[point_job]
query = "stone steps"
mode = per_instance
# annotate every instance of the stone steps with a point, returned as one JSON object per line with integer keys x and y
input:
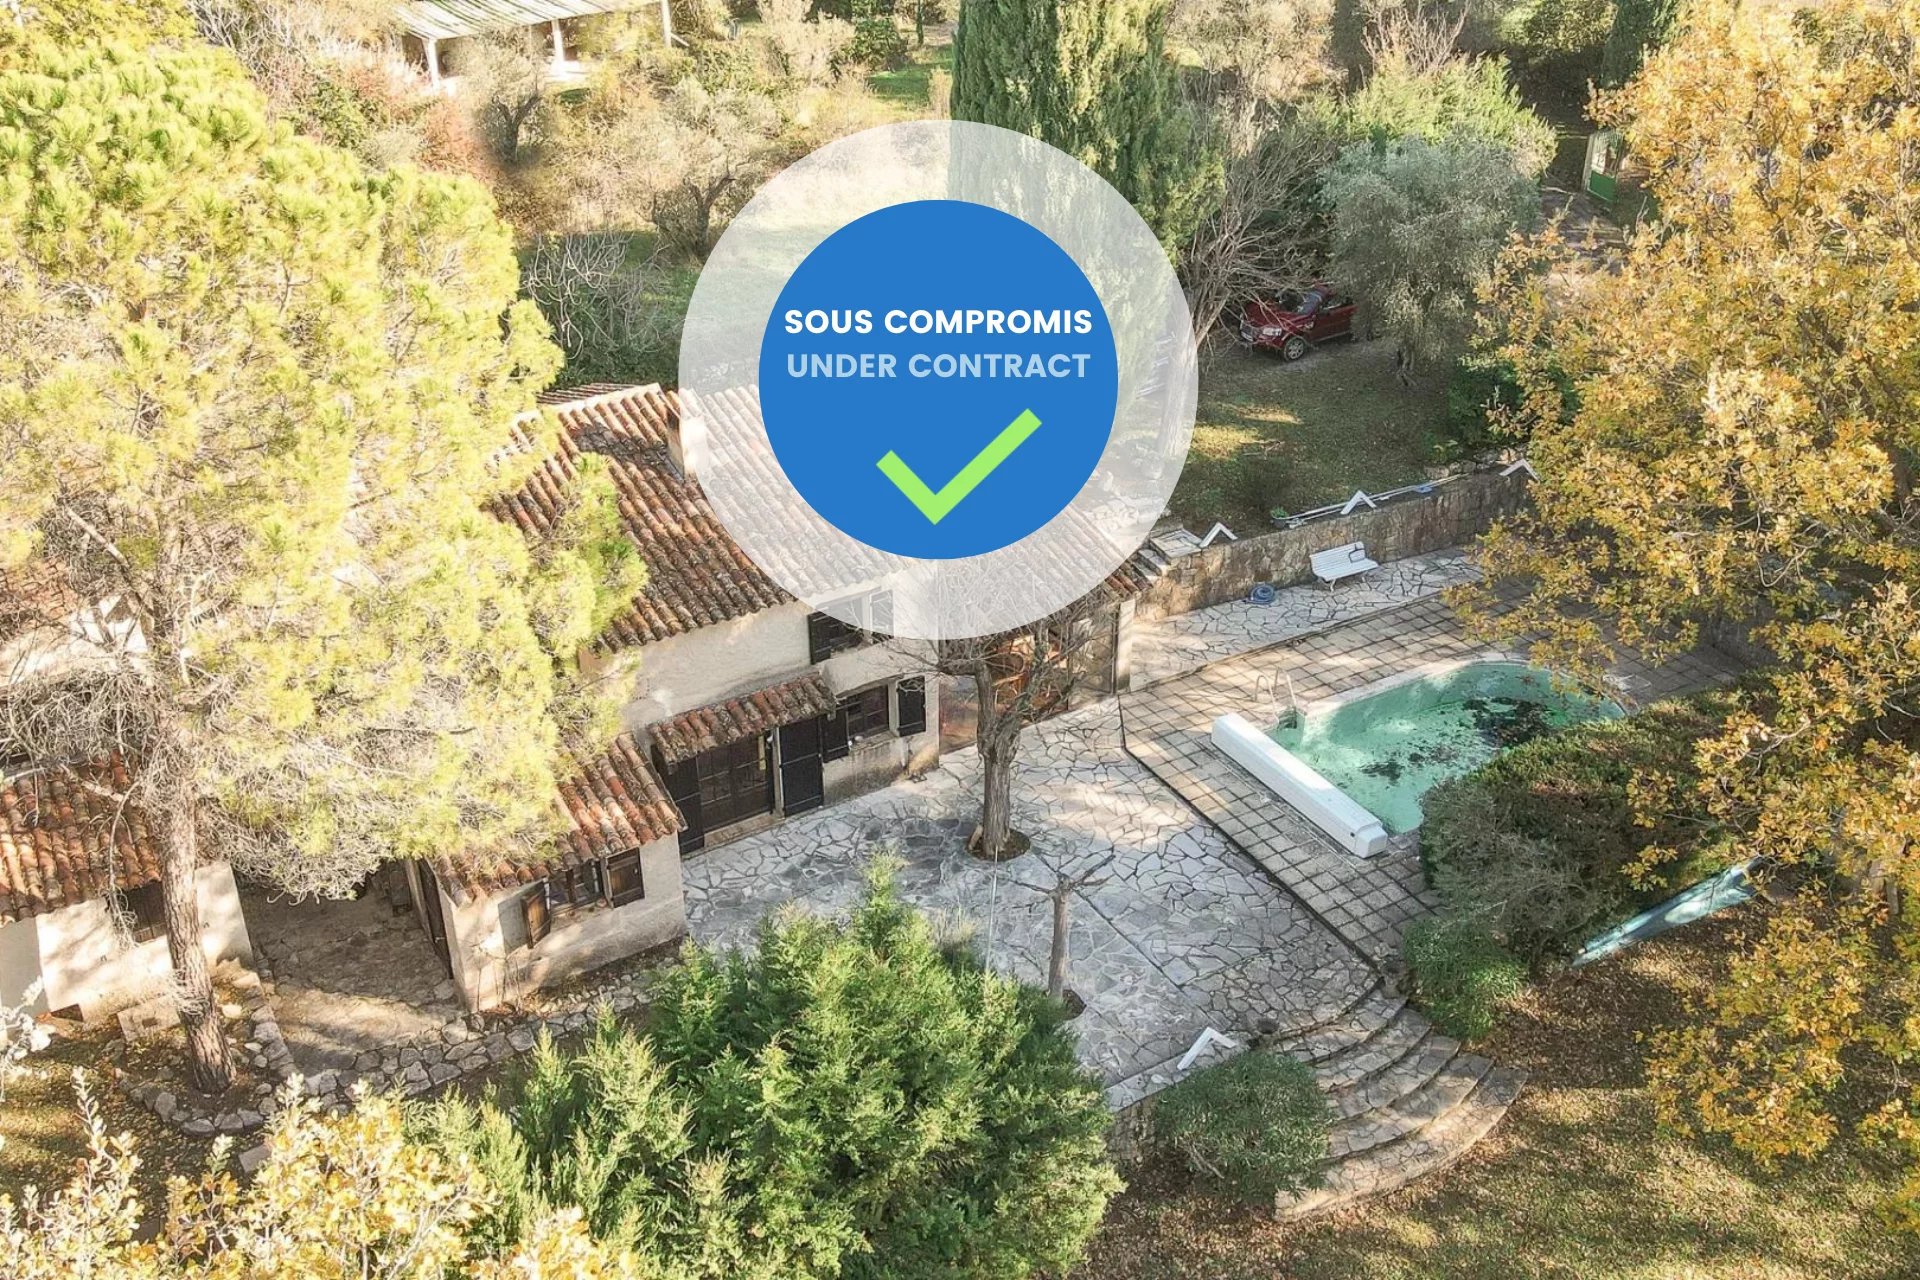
{"x": 1407, "y": 1100}
{"x": 1363, "y": 1020}
{"x": 1427, "y": 1149}
{"x": 1401, "y": 1037}
{"x": 1406, "y": 1115}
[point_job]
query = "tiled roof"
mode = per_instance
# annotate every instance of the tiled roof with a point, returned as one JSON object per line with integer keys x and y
{"x": 32, "y": 596}
{"x": 612, "y": 802}
{"x": 62, "y": 842}
{"x": 704, "y": 728}
{"x": 696, "y": 575}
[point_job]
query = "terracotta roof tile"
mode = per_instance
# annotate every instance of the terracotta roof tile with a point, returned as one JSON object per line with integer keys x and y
{"x": 697, "y": 575}
{"x": 32, "y": 596}
{"x": 63, "y": 842}
{"x": 611, "y": 803}
{"x": 704, "y": 728}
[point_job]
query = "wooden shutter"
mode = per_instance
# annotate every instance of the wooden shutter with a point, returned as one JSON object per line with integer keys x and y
{"x": 823, "y": 634}
{"x": 533, "y": 909}
{"x": 801, "y": 786}
{"x": 910, "y": 712}
{"x": 683, "y": 784}
{"x": 624, "y": 881}
{"x": 833, "y": 735}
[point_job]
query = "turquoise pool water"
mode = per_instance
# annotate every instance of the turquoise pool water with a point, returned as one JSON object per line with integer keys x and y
{"x": 1387, "y": 749}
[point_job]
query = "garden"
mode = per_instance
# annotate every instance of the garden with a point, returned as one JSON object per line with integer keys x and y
{"x": 270, "y": 320}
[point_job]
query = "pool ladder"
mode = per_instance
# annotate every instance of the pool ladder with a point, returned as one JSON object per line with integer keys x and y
{"x": 1269, "y": 686}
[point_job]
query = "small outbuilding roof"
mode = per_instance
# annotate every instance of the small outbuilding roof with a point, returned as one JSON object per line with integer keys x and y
{"x": 447, "y": 19}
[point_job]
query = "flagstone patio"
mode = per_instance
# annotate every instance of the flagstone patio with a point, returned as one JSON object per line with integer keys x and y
{"x": 1185, "y": 933}
{"x": 1222, "y": 907}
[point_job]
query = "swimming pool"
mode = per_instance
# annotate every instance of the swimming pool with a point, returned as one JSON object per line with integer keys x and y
{"x": 1387, "y": 744}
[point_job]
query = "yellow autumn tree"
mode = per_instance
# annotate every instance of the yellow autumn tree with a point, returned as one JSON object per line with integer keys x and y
{"x": 344, "y": 1197}
{"x": 1726, "y": 432}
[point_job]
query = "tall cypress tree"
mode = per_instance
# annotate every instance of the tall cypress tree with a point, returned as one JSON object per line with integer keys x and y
{"x": 1090, "y": 77}
{"x": 1639, "y": 26}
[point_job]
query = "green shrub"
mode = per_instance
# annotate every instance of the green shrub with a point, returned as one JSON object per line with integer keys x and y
{"x": 842, "y": 1101}
{"x": 1256, "y": 1125}
{"x": 1479, "y": 386}
{"x": 877, "y": 45}
{"x": 1461, "y": 975}
{"x": 1537, "y": 843}
{"x": 1462, "y": 101}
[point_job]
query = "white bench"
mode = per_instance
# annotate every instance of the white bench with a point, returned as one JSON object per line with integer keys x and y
{"x": 1347, "y": 561}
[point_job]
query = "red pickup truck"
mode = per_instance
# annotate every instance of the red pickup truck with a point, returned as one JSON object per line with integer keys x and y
{"x": 1297, "y": 320}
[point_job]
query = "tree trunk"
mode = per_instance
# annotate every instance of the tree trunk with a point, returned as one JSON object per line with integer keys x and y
{"x": 209, "y": 1068}
{"x": 1057, "y": 961}
{"x": 999, "y": 740}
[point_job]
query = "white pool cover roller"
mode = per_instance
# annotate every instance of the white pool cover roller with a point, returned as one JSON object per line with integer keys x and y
{"x": 1290, "y": 778}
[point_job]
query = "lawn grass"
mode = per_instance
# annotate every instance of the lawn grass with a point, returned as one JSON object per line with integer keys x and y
{"x": 905, "y": 88}
{"x": 43, "y": 1139}
{"x": 1302, "y": 435}
{"x": 1578, "y": 1183}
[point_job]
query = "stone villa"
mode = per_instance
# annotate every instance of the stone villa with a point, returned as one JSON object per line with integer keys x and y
{"x": 741, "y": 706}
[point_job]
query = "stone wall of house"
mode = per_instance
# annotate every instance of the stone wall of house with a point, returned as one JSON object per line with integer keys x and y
{"x": 79, "y": 955}
{"x": 1453, "y": 514}
{"x": 487, "y": 937}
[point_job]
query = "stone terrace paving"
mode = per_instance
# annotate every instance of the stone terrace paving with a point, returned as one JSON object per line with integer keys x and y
{"x": 1186, "y": 933}
{"x": 1192, "y": 927}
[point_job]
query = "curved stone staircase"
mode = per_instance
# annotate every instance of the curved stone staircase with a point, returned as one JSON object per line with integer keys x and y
{"x": 1408, "y": 1101}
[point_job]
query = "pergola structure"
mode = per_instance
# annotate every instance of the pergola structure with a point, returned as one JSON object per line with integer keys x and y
{"x": 432, "y": 21}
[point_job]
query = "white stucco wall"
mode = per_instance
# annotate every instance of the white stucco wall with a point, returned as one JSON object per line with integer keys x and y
{"x": 492, "y": 965}
{"x": 88, "y": 637}
{"x": 712, "y": 664}
{"x": 79, "y": 953}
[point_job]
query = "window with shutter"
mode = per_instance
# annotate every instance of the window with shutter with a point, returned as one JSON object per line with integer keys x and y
{"x": 868, "y": 713}
{"x": 533, "y": 910}
{"x": 144, "y": 909}
{"x": 827, "y": 635}
{"x": 911, "y": 696}
{"x": 624, "y": 881}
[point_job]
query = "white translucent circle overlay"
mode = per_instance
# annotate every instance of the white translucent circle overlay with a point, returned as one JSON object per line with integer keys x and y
{"x": 726, "y": 442}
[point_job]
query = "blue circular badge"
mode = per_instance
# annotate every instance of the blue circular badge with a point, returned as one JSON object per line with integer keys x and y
{"x": 938, "y": 379}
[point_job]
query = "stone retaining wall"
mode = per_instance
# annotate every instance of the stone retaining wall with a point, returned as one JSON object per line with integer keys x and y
{"x": 1453, "y": 514}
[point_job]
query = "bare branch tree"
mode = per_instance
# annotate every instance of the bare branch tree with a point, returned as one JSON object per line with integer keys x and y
{"x": 1061, "y": 898}
{"x": 1259, "y": 240}
{"x": 1019, "y": 677}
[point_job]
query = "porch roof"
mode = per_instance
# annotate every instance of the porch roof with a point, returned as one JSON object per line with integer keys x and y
{"x": 611, "y": 803}
{"x": 720, "y": 723}
{"x": 447, "y": 19}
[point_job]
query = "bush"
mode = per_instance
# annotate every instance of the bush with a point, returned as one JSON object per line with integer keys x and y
{"x": 1478, "y": 388}
{"x": 1543, "y": 844}
{"x": 1460, "y": 101}
{"x": 1256, "y": 1125}
{"x": 877, "y": 45}
{"x": 842, "y": 1101}
{"x": 1461, "y": 975}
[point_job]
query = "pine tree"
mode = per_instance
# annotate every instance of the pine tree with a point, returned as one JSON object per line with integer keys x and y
{"x": 1639, "y": 27}
{"x": 1090, "y": 77}
{"x": 252, "y": 398}
{"x": 838, "y": 1102}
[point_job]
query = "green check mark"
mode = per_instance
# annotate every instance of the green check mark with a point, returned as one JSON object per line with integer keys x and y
{"x": 936, "y": 506}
